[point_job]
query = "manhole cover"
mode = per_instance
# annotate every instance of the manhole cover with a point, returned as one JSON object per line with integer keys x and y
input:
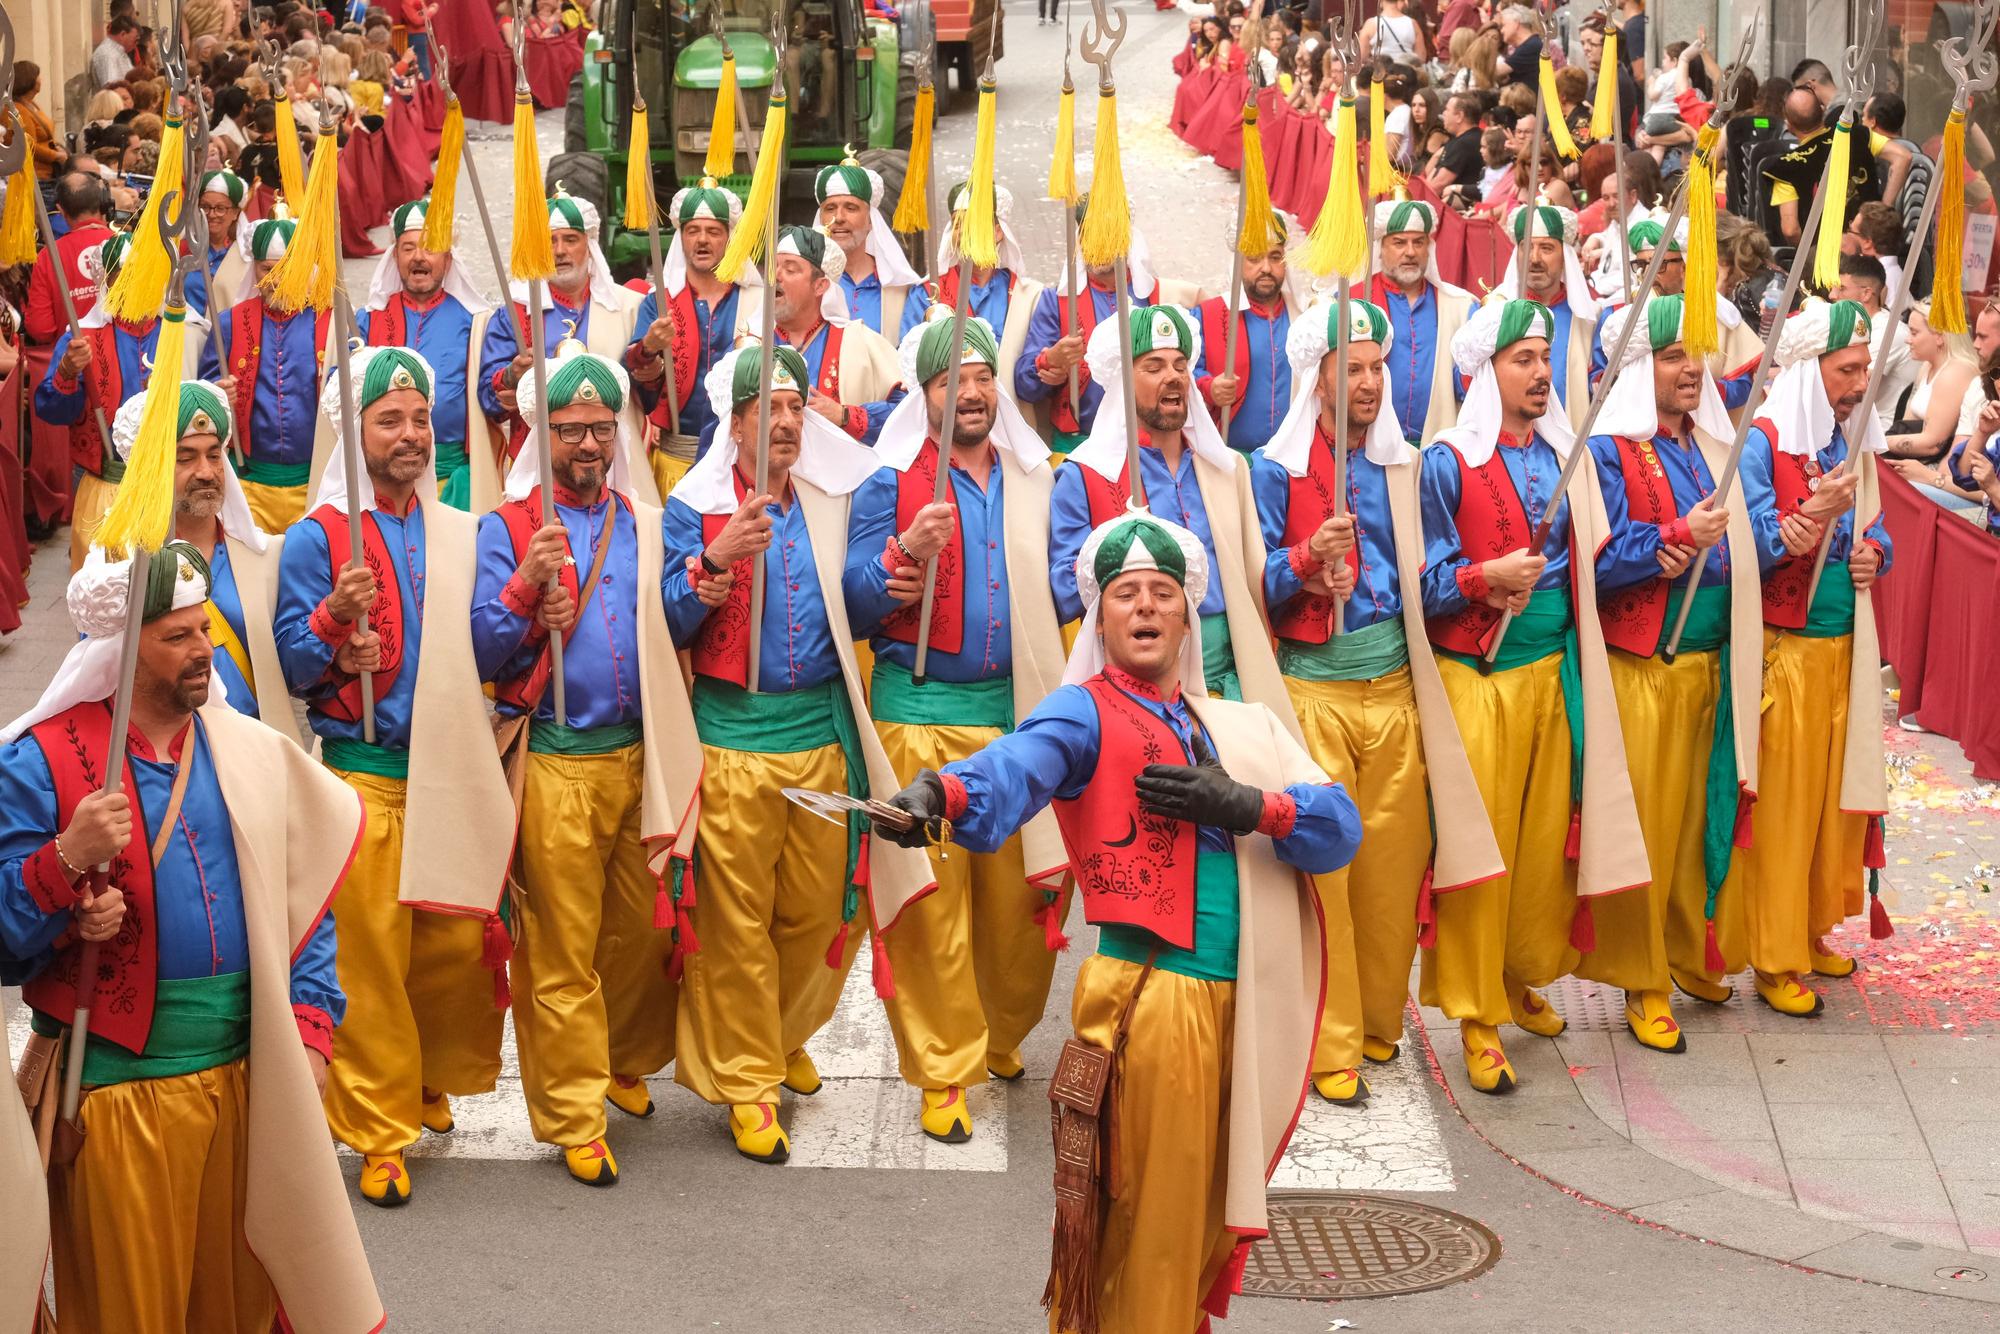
{"x": 1962, "y": 1274}
{"x": 1329, "y": 1245}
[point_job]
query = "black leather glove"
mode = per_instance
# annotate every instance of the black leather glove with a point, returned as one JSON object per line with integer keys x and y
{"x": 1200, "y": 793}
{"x": 923, "y": 801}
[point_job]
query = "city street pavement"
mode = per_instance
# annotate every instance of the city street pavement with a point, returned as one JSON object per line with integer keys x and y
{"x": 1781, "y": 1176}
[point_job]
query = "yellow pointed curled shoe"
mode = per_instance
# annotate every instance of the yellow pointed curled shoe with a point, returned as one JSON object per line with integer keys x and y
{"x": 801, "y": 1075}
{"x": 1345, "y": 1087}
{"x": 1486, "y": 1065}
{"x": 592, "y": 1163}
{"x": 1378, "y": 1051}
{"x": 385, "y": 1180}
{"x": 1652, "y": 1021}
{"x": 758, "y": 1134}
{"x": 945, "y": 1117}
{"x": 1005, "y": 1065}
{"x": 437, "y": 1116}
{"x": 630, "y": 1096}
{"x": 1829, "y": 965}
{"x": 1699, "y": 987}
{"x": 1784, "y": 993}
{"x": 1533, "y": 1012}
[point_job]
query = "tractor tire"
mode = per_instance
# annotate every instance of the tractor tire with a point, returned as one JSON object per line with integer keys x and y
{"x": 892, "y": 164}
{"x": 906, "y": 103}
{"x": 574, "y": 140}
{"x": 582, "y": 176}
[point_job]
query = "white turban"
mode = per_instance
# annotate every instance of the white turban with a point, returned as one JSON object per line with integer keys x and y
{"x": 1478, "y": 431}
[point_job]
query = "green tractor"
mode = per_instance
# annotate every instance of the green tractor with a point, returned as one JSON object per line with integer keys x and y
{"x": 849, "y": 78}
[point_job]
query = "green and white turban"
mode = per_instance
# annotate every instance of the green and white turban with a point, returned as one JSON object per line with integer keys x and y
{"x": 1645, "y": 236}
{"x": 227, "y": 184}
{"x": 1796, "y": 403}
{"x": 1131, "y": 542}
{"x": 829, "y": 458}
{"x": 1550, "y": 220}
{"x": 387, "y": 282}
{"x": 959, "y": 196}
{"x": 102, "y": 262}
{"x": 925, "y": 354}
{"x": 817, "y": 249}
{"x": 1405, "y": 215}
{"x": 849, "y": 177}
{"x": 706, "y": 200}
{"x": 204, "y": 411}
{"x": 1631, "y": 406}
{"x": 575, "y": 376}
{"x": 1500, "y": 323}
{"x": 1154, "y": 328}
{"x": 266, "y": 240}
{"x": 1314, "y": 337}
{"x": 1557, "y": 224}
{"x": 568, "y": 213}
{"x": 377, "y": 371}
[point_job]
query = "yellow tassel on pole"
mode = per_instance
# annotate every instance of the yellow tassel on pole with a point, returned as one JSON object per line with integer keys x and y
{"x": 441, "y": 217}
{"x": 638, "y": 165}
{"x": 913, "y": 213}
{"x": 1260, "y": 234}
{"x": 141, "y": 284}
{"x": 530, "y": 257}
{"x": 17, "y": 222}
{"x": 1602, "y": 127}
{"x": 1383, "y": 178}
{"x": 1698, "y": 328}
{"x": 1062, "y": 165}
{"x": 1833, "y": 219}
{"x": 1337, "y": 243}
{"x": 979, "y": 238}
{"x": 1552, "y": 112}
{"x": 1107, "y": 221}
{"x": 746, "y": 241}
{"x": 1947, "y": 296}
{"x": 291, "y": 161}
{"x": 304, "y": 277}
{"x": 142, "y": 513}
{"x": 721, "y": 159}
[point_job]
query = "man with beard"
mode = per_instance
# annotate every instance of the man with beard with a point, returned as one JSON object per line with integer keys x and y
{"x": 1807, "y": 468}
{"x": 1791, "y": 179}
{"x": 876, "y": 281}
{"x": 1203, "y": 992}
{"x": 272, "y": 379}
{"x": 419, "y": 912}
{"x": 1556, "y": 282}
{"x": 1369, "y": 699}
{"x": 1689, "y": 722}
{"x": 1424, "y": 311}
{"x": 1259, "y": 385}
{"x": 1732, "y": 364}
{"x": 204, "y": 1194}
{"x": 222, "y": 197}
{"x": 707, "y": 318}
{"x": 1004, "y": 296}
{"x": 1060, "y": 328}
{"x": 423, "y": 299}
{"x": 608, "y": 788}
{"x": 583, "y": 303}
{"x": 766, "y": 945}
{"x": 975, "y": 958}
{"x": 1191, "y": 478}
{"x": 1541, "y": 729}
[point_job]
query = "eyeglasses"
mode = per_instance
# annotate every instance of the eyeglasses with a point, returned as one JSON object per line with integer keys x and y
{"x": 572, "y": 433}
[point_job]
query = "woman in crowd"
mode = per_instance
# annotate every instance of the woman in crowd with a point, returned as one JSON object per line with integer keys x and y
{"x": 1394, "y": 33}
{"x": 1427, "y": 132}
{"x": 41, "y": 130}
{"x": 1304, "y": 94}
{"x": 1947, "y": 369}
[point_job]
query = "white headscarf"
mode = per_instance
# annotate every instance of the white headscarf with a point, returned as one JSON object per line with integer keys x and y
{"x": 1576, "y": 287}
{"x": 1291, "y": 444}
{"x": 908, "y": 424}
{"x": 525, "y": 473}
{"x": 1011, "y": 258}
{"x": 333, "y": 484}
{"x": 1796, "y": 403}
{"x": 1086, "y": 656}
{"x": 674, "y": 265}
{"x": 1104, "y": 449}
{"x": 235, "y": 515}
{"x": 829, "y": 458}
{"x": 1385, "y": 213}
{"x": 1477, "y": 434}
{"x": 891, "y": 268}
{"x": 602, "y": 284}
{"x": 387, "y": 282}
{"x": 833, "y": 263}
{"x": 1631, "y": 406}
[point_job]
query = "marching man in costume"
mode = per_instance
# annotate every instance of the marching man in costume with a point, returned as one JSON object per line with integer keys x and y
{"x": 1369, "y": 700}
{"x": 1556, "y": 281}
{"x": 1541, "y": 729}
{"x": 1204, "y": 988}
{"x": 1819, "y": 808}
{"x": 424, "y": 300}
{"x": 223, "y": 194}
{"x": 205, "y": 1194}
{"x": 424, "y": 965}
{"x": 606, "y": 792}
{"x": 1424, "y": 311}
{"x": 708, "y": 317}
{"x": 767, "y": 921}
{"x": 1004, "y": 296}
{"x": 1190, "y": 476}
{"x": 584, "y": 304}
{"x": 973, "y": 960}
{"x": 273, "y": 383}
{"x": 1259, "y": 385}
{"x": 1729, "y": 365}
{"x": 1689, "y": 722}
{"x": 876, "y": 280}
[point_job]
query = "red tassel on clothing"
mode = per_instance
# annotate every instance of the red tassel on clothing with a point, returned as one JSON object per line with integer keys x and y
{"x": 1871, "y": 844}
{"x": 684, "y": 926}
{"x": 502, "y": 996}
{"x": 861, "y": 861}
{"x": 1052, "y": 932}
{"x": 1744, "y": 804}
{"x": 1573, "y": 845}
{"x": 497, "y": 946}
{"x": 1427, "y": 921}
{"x": 663, "y": 907}
{"x": 838, "y": 949}
{"x": 1878, "y": 919}
{"x": 1714, "y": 961}
{"x": 1227, "y": 1283}
{"x": 1583, "y": 928}
{"x": 885, "y": 976}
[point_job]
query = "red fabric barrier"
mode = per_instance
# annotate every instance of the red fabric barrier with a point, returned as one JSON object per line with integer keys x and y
{"x": 1936, "y": 619}
{"x": 364, "y": 165}
{"x": 13, "y": 524}
{"x": 482, "y": 68}
{"x": 408, "y": 166}
{"x": 553, "y": 63}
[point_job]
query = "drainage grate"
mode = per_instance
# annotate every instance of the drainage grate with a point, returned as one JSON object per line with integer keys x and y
{"x": 1329, "y": 1245}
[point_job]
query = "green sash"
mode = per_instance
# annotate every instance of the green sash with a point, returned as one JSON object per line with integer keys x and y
{"x": 1832, "y": 612}
{"x": 1218, "y": 659}
{"x": 895, "y": 697}
{"x": 1708, "y": 624}
{"x": 547, "y": 737}
{"x": 1718, "y": 833}
{"x": 1358, "y": 655}
{"x": 1218, "y": 922}
{"x": 1066, "y": 441}
{"x": 358, "y": 757}
{"x": 265, "y": 473}
{"x": 198, "y": 1024}
{"x": 454, "y": 473}
{"x": 114, "y": 469}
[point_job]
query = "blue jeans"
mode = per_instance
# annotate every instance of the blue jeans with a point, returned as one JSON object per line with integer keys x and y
{"x": 420, "y": 42}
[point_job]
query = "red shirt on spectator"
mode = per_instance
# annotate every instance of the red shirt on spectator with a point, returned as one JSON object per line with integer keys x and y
{"x": 44, "y": 321}
{"x": 413, "y": 13}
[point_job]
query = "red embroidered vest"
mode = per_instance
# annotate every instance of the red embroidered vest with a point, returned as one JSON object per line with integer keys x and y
{"x": 1788, "y": 587}
{"x": 916, "y": 485}
{"x": 523, "y": 519}
{"x": 721, "y": 647}
{"x": 828, "y": 379}
{"x": 385, "y": 615}
{"x": 1632, "y": 617}
{"x": 103, "y": 390}
{"x": 75, "y": 743}
{"x": 1131, "y": 868}
{"x": 1308, "y": 618}
{"x": 689, "y": 335}
{"x": 1491, "y": 523}
{"x": 1215, "y": 343}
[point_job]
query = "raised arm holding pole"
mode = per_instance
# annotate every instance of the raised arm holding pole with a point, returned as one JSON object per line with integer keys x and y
{"x": 770, "y": 159}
